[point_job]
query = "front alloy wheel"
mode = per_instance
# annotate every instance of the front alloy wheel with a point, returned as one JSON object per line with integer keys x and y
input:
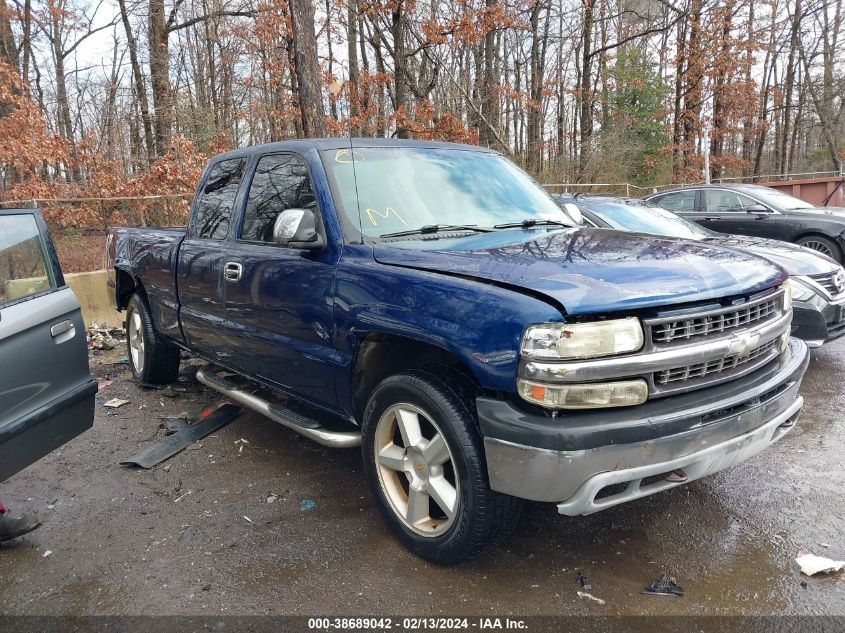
{"x": 415, "y": 469}
{"x": 424, "y": 461}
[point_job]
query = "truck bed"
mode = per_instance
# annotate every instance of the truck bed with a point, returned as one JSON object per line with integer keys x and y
{"x": 149, "y": 254}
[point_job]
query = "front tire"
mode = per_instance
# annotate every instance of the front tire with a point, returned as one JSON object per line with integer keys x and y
{"x": 152, "y": 359}
{"x": 424, "y": 462}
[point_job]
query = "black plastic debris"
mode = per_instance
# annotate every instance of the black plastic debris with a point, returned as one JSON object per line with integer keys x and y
{"x": 665, "y": 586}
{"x": 167, "y": 447}
{"x": 584, "y": 581}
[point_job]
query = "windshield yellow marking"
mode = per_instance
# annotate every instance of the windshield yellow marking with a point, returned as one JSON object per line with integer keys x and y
{"x": 387, "y": 213}
{"x": 347, "y": 157}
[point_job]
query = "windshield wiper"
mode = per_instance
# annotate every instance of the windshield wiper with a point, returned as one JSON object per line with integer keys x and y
{"x": 527, "y": 224}
{"x": 436, "y": 228}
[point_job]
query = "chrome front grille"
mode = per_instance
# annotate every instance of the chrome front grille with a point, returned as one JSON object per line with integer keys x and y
{"x": 716, "y": 368}
{"x": 719, "y": 322}
{"x": 828, "y": 282}
{"x": 686, "y": 350}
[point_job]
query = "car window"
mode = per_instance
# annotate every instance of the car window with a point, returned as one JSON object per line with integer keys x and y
{"x": 280, "y": 182}
{"x": 723, "y": 200}
{"x": 23, "y": 262}
{"x": 678, "y": 201}
{"x": 213, "y": 213}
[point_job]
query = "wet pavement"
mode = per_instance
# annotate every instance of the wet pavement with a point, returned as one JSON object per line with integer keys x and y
{"x": 224, "y": 528}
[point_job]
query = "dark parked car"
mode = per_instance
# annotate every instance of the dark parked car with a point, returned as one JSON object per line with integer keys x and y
{"x": 432, "y": 304}
{"x": 818, "y": 282}
{"x": 759, "y": 211}
{"x": 46, "y": 389}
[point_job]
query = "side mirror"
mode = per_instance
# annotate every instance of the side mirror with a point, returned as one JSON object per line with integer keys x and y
{"x": 574, "y": 212}
{"x": 297, "y": 228}
{"x": 757, "y": 208}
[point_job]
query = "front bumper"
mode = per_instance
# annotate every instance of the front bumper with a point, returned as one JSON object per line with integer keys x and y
{"x": 817, "y": 321}
{"x": 589, "y": 461}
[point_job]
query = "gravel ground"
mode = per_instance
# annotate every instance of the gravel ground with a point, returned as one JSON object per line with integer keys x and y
{"x": 220, "y": 528}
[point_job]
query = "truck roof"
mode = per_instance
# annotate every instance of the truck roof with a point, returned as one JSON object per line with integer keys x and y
{"x": 303, "y": 145}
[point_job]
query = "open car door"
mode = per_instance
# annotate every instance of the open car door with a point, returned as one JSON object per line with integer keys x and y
{"x": 46, "y": 389}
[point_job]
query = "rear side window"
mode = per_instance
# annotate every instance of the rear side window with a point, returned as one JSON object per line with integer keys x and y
{"x": 23, "y": 263}
{"x": 281, "y": 182}
{"x": 213, "y": 213}
{"x": 677, "y": 201}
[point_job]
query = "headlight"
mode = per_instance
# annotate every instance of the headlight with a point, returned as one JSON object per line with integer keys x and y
{"x": 623, "y": 393}
{"x": 583, "y": 340}
{"x": 796, "y": 289}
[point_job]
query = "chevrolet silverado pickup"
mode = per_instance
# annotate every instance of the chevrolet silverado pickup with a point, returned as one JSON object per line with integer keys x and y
{"x": 432, "y": 304}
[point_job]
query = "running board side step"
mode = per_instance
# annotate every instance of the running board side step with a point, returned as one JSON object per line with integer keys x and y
{"x": 291, "y": 419}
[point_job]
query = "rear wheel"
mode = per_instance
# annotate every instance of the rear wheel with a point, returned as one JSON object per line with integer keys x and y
{"x": 821, "y": 245}
{"x": 152, "y": 359}
{"x": 424, "y": 461}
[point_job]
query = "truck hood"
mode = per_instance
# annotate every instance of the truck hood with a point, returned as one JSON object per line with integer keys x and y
{"x": 590, "y": 271}
{"x": 797, "y": 260}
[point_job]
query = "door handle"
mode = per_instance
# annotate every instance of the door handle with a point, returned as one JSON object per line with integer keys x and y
{"x": 232, "y": 271}
{"x": 61, "y": 328}
{"x": 62, "y": 332}
{"x": 712, "y": 219}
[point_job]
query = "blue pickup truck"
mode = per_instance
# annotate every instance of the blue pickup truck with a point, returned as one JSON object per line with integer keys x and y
{"x": 432, "y": 304}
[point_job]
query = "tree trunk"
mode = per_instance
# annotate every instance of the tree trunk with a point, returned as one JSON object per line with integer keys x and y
{"x": 140, "y": 86}
{"x": 307, "y": 71}
{"x": 400, "y": 80}
{"x": 159, "y": 54}
{"x": 585, "y": 101}
{"x": 489, "y": 91}
{"x": 352, "y": 54}
{"x": 789, "y": 87}
{"x": 692, "y": 85}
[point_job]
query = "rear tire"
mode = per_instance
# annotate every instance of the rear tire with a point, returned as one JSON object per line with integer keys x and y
{"x": 821, "y": 245}
{"x": 424, "y": 461}
{"x": 152, "y": 359}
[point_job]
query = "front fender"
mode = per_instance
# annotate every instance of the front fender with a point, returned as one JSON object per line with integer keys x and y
{"x": 479, "y": 323}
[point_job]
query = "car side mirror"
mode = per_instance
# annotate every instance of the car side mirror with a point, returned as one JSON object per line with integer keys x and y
{"x": 757, "y": 208}
{"x": 574, "y": 212}
{"x": 297, "y": 228}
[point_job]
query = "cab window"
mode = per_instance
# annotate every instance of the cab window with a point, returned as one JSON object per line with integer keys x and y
{"x": 23, "y": 262}
{"x": 280, "y": 182}
{"x": 213, "y": 213}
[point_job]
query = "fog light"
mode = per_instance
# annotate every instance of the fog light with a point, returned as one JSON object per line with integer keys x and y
{"x": 624, "y": 393}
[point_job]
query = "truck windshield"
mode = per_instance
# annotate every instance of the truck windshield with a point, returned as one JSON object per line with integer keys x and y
{"x": 644, "y": 217}
{"x": 406, "y": 188}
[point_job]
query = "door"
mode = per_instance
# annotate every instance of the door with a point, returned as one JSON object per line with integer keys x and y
{"x": 199, "y": 271}
{"x": 46, "y": 389}
{"x": 733, "y": 212}
{"x": 279, "y": 302}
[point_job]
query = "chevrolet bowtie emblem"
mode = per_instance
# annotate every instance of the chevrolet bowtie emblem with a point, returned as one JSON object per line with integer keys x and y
{"x": 743, "y": 344}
